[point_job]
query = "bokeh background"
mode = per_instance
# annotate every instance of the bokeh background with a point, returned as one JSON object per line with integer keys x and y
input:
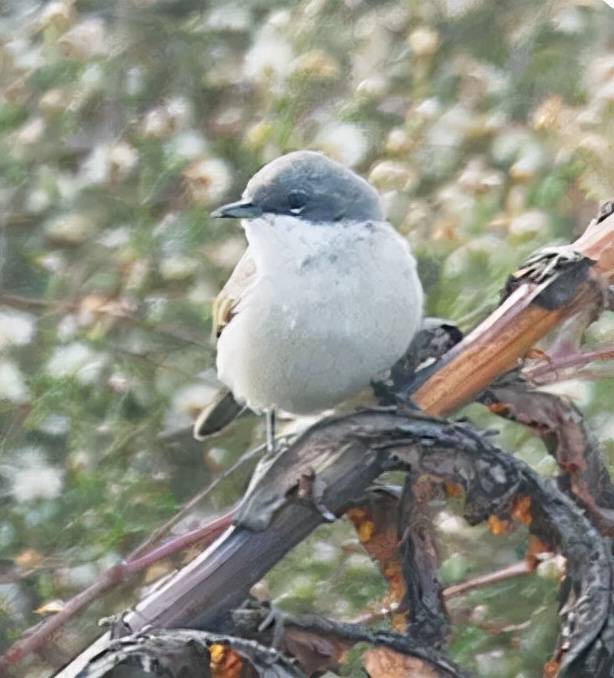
{"x": 487, "y": 126}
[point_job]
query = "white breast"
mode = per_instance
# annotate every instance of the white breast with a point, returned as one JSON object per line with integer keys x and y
{"x": 333, "y": 307}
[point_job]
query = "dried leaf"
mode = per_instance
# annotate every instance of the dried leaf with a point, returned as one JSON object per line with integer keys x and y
{"x": 313, "y": 652}
{"x": 381, "y": 662}
{"x": 498, "y": 526}
{"x": 537, "y": 548}
{"x": 51, "y": 607}
{"x": 224, "y": 661}
{"x": 157, "y": 571}
{"x": 453, "y": 489}
{"x": 29, "y": 559}
{"x": 551, "y": 668}
{"x": 376, "y": 526}
{"x": 522, "y": 510}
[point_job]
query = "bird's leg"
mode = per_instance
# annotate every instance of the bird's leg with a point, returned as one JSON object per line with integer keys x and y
{"x": 275, "y": 618}
{"x": 270, "y": 431}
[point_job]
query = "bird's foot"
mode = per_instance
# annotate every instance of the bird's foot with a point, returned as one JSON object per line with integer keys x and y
{"x": 274, "y": 618}
{"x": 313, "y": 488}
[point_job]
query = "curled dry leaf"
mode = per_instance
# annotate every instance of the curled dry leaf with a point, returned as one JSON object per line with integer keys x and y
{"x": 381, "y": 662}
{"x": 376, "y": 525}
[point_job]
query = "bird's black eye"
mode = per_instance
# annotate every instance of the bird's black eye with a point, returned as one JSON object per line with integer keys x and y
{"x": 297, "y": 201}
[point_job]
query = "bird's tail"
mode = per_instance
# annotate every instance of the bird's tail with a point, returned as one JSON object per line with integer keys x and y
{"x": 217, "y": 415}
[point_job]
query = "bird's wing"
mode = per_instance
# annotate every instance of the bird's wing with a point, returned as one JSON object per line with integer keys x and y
{"x": 226, "y": 302}
{"x": 224, "y": 408}
{"x": 220, "y": 412}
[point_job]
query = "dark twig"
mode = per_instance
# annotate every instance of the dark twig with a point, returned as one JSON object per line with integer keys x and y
{"x": 455, "y": 590}
{"x": 139, "y": 559}
{"x": 122, "y": 316}
{"x": 184, "y": 652}
{"x": 305, "y": 629}
{"x": 561, "y": 426}
{"x": 428, "y": 620}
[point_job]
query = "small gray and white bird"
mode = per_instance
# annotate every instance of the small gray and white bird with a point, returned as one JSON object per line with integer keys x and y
{"x": 325, "y": 299}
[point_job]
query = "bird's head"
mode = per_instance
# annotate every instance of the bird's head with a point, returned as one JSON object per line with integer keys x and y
{"x": 309, "y": 186}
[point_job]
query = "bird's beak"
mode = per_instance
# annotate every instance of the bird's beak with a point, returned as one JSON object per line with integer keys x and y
{"x": 242, "y": 209}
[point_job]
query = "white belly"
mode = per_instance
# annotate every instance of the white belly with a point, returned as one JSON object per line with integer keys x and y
{"x": 329, "y": 312}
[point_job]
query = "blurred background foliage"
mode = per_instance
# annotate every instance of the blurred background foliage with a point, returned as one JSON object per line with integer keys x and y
{"x": 487, "y": 127}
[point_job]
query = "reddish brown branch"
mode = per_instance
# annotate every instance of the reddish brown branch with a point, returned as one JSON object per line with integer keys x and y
{"x": 555, "y": 369}
{"x": 507, "y": 335}
{"x": 455, "y": 590}
{"x": 509, "y": 572}
{"x": 142, "y": 557}
{"x": 44, "y": 632}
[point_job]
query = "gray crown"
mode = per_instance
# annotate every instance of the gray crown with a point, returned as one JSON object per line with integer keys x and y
{"x": 309, "y": 185}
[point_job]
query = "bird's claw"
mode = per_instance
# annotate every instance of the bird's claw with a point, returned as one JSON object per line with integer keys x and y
{"x": 274, "y": 618}
{"x": 313, "y": 488}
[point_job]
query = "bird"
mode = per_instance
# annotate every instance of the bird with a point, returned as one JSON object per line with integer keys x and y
{"x": 325, "y": 299}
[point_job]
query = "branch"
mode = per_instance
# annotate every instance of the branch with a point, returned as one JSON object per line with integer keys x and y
{"x": 539, "y": 300}
{"x": 509, "y": 572}
{"x": 190, "y": 653}
{"x": 567, "y": 366}
{"x": 308, "y": 638}
{"x": 347, "y": 453}
{"x": 110, "y": 309}
{"x": 424, "y": 598}
{"x": 157, "y": 535}
{"x": 561, "y": 426}
{"x": 118, "y": 574}
{"x": 319, "y": 643}
{"x": 141, "y": 558}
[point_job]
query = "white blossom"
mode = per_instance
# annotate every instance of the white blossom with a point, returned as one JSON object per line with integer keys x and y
{"x": 345, "y": 142}
{"x": 12, "y": 385}
{"x": 58, "y": 15}
{"x": 530, "y": 224}
{"x": 187, "y": 145}
{"x": 69, "y": 229}
{"x": 270, "y": 57}
{"x": 32, "y": 477}
{"x": 77, "y": 360}
{"x": 178, "y": 267}
{"x": 85, "y": 40}
{"x": 423, "y": 41}
{"x": 109, "y": 161}
{"x": 31, "y": 132}
{"x": 208, "y": 179}
{"x": 16, "y": 328}
{"x": 229, "y": 17}
{"x": 390, "y": 174}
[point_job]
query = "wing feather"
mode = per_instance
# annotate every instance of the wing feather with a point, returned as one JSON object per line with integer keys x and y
{"x": 226, "y": 302}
